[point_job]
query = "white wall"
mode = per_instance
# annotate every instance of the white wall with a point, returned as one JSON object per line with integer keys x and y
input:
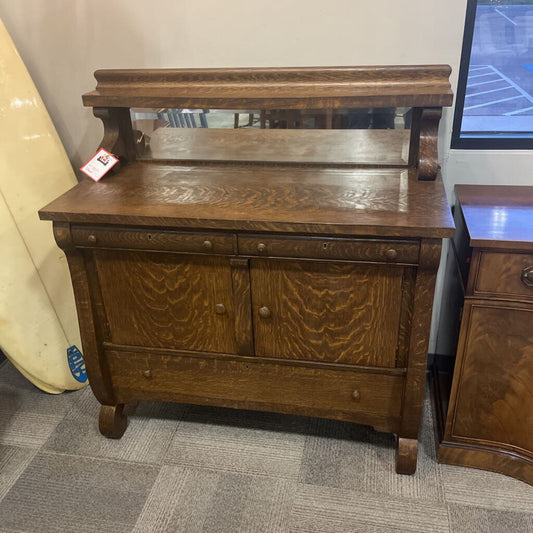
{"x": 64, "y": 41}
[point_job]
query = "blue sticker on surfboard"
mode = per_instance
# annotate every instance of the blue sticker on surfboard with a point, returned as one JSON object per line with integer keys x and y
{"x": 76, "y": 364}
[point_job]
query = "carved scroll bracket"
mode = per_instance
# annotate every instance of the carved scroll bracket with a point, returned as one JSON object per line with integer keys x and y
{"x": 118, "y": 134}
{"x": 428, "y": 154}
{"x": 423, "y": 153}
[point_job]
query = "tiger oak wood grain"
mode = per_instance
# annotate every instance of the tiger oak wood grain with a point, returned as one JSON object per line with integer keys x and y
{"x": 320, "y": 311}
{"x": 281, "y": 199}
{"x": 275, "y": 88}
{"x": 170, "y": 300}
{"x": 427, "y": 160}
{"x": 286, "y": 389}
{"x": 418, "y": 341}
{"x": 395, "y": 251}
{"x": 175, "y": 304}
{"x": 90, "y": 332}
{"x": 132, "y": 239}
{"x": 240, "y": 277}
{"x": 406, "y": 316}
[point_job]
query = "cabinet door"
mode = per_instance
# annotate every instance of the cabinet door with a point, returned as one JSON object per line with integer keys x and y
{"x": 331, "y": 312}
{"x": 168, "y": 300}
{"x": 493, "y": 400}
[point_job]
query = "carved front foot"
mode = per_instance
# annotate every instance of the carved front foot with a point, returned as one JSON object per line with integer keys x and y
{"x": 112, "y": 421}
{"x": 406, "y": 454}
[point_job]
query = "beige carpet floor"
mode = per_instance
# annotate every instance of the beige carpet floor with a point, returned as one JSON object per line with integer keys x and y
{"x": 194, "y": 469}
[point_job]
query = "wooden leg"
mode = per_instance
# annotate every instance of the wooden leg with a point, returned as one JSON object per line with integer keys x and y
{"x": 406, "y": 454}
{"x": 112, "y": 421}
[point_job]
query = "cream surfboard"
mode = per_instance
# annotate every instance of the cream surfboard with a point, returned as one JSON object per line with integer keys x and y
{"x": 38, "y": 323}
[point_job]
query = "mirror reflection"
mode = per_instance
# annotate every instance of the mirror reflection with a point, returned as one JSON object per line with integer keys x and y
{"x": 375, "y": 134}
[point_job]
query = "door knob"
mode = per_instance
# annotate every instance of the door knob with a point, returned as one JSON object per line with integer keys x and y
{"x": 220, "y": 309}
{"x": 391, "y": 253}
{"x": 527, "y": 276}
{"x": 264, "y": 312}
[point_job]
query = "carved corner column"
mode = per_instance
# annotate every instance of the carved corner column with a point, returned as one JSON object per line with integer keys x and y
{"x": 413, "y": 397}
{"x": 112, "y": 420}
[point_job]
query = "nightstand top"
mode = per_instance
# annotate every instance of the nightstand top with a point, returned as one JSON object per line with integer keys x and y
{"x": 498, "y": 216}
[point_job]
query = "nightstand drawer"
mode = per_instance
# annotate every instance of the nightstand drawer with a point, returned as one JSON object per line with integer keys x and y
{"x": 505, "y": 275}
{"x": 390, "y": 251}
{"x": 141, "y": 239}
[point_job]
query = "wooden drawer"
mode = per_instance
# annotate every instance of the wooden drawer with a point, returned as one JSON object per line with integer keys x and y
{"x": 503, "y": 274}
{"x": 364, "y": 397}
{"x": 400, "y": 251}
{"x": 141, "y": 239}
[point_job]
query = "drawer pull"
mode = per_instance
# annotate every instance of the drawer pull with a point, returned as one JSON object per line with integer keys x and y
{"x": 356, "y": 395}
{"x": 220, "y": 309}
{"x": 391, "y": 253}
{"x": 261, "y": 247}
{"x": 208, "y": 245}
{"x": 147, "y": 374}
{"x": 264, "y": 312}
{"x": 527, "y": 276}
{"x": 92, "y": 239}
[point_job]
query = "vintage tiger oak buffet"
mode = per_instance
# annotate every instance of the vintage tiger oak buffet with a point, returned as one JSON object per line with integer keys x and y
{"x": 268, "y": 268}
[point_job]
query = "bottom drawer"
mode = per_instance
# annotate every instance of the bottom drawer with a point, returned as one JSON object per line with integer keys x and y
{"x": 363, "y": 397}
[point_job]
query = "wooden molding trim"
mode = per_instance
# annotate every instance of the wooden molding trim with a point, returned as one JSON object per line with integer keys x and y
{"x": 491, "y": 459}
{"x": 278, "y": 88}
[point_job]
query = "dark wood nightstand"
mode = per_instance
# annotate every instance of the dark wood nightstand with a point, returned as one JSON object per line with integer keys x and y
{"x": 484, "y": 405}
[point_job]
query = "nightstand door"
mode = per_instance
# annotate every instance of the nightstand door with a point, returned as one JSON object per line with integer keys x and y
{"x": 492, "y": 402}
{"x": 168, "y": 300}
{"x": 327, "y": 311}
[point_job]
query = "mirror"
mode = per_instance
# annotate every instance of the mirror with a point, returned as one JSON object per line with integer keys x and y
{"x": 346, "y": 136}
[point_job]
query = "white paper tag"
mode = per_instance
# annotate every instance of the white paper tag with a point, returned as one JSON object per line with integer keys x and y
{"x": 99, "y": 164}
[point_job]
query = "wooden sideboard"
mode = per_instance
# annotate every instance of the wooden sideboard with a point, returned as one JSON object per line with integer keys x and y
{"x": 483, "y": 397}
{"x": 259, "y": 271}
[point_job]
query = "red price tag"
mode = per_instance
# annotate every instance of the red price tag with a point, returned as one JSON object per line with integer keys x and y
{"x": 99, "y": 164}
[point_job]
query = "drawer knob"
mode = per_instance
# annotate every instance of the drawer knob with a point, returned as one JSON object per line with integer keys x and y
{"x": 527, "y": 276}
{"x": 92, "y": 239}
{"x": 261, "y": 247}
{"x": 147, "y": 374}
{"x": 356, "y": 395}
{"x": 264, "y": 312}
{"x": 208, "y": 245}
{"x": 220, "y": 309}
{"x": 391, "y": 253}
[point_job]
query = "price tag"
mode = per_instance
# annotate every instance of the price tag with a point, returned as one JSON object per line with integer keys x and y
{"x": 99, "y": 164}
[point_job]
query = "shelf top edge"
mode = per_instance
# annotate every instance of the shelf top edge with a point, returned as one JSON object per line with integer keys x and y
{"x": 424, "y": 85}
